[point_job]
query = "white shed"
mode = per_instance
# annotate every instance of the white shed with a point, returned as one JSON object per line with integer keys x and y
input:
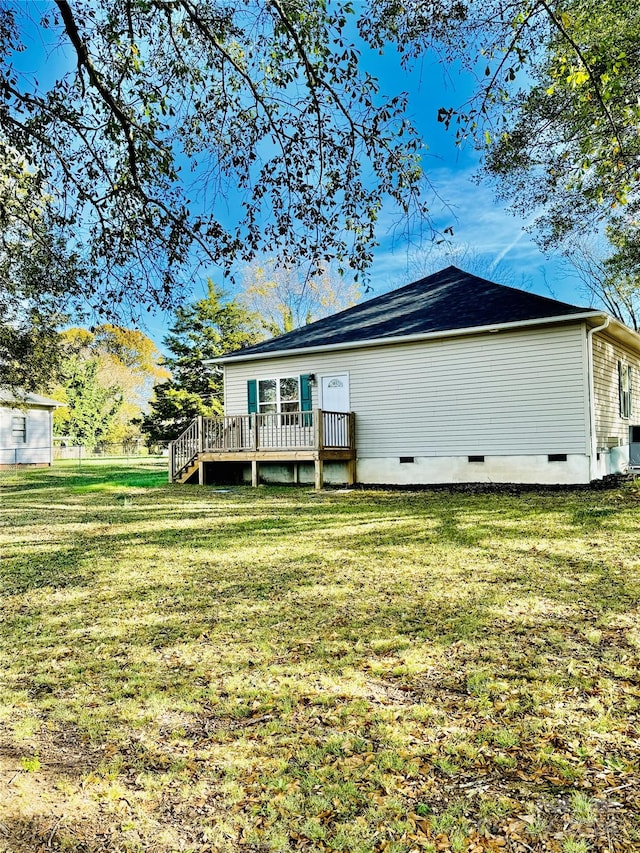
{"x": 26, "y": 429}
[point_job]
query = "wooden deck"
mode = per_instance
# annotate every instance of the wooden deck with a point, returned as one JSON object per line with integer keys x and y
{"x": 318, "y": 436}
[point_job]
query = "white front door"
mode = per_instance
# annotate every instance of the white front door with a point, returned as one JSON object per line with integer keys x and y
{"x": 335, "y": 398}
{"x": 335, "y": 393}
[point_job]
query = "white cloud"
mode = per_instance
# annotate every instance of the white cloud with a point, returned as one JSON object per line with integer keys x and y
{"x": 480, "y": 226}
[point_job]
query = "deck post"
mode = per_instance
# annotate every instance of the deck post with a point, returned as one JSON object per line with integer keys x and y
{"x": 255, "y": 472}
{"x": 318, "y": 429}
{"x": 319, "y": 472}
{"x": 200, "y": 434}
{"x": 351, "y": 464}
{"x": 201, "y": 474}
{"x": 171, "y": 462}
{"x": 256, "y": 441}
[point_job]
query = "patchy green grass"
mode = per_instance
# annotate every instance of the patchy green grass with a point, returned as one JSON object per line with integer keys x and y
{"x": 198, "y": 669}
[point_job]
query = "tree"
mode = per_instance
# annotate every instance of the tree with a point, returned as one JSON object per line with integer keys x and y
{"x": 30, "y": 253}
{"x": 606, "y": 278}
{"x": 555, "y": 105}
{"x": 427, "y": 262}
{"x": 285, "y": 298}
{"x": 570, "y": 149}
{"x": 131, "y": 360}
{"x": 89, "y": 406}
{"x": 206, "y": 329}
{"x": 569, "y": 146}
{"x": 107, "y": 379}
{"x": 264, "y": 103}
{"x": 290, "y": 146}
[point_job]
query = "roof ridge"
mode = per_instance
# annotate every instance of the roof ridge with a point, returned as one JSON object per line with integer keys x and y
{"x": 441, "y": 301}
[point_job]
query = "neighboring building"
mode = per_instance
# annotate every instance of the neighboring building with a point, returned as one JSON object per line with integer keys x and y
{"x": 450, "y": 379}
{"x": 26, "y": 429}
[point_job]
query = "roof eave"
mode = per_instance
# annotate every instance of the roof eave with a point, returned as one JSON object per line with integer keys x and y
{"x": 403, "y": 339}
{"x": 15, "y": 400}
{"x": 622, "y": 332}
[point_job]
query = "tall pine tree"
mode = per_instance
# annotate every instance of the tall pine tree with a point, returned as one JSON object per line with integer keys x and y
{"x": 206, "y": 329}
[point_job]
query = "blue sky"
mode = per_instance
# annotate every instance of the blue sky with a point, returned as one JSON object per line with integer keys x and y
{"x": 482, "y": 228}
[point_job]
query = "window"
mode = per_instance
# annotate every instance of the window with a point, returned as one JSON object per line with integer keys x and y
{"x": 624, "y": 389}
{"x": 19, "y": 429}
{"x": 279, "y": 395}
{"x": 557, "y": 457}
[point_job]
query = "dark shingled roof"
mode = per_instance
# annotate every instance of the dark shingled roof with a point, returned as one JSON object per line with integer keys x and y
{"x": 447, "y": 300}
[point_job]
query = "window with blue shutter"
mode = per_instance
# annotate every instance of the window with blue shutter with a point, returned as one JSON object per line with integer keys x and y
{"x": 284, "y": 395}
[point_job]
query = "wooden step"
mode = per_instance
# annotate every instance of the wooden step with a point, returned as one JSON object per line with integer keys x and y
{"x": 185, "y": 473}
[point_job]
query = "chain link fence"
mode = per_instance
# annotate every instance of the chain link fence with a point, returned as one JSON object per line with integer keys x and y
{"x": 66, "y": 449}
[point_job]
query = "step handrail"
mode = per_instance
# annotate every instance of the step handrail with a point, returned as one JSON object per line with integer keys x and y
{"x": 184, "y": 449}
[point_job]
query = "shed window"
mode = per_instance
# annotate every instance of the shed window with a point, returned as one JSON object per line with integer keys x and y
{"x": 624, "y": 389}
{"x": 19, "y": 429}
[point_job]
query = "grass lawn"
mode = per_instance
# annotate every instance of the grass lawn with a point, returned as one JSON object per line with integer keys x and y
{"x": 191, "y": 669}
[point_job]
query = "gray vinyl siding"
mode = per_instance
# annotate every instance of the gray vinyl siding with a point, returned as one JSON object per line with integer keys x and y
{"x": 609, "y": 424}
{"x": 37, "y": 448}
{"x": 521, "y": 392}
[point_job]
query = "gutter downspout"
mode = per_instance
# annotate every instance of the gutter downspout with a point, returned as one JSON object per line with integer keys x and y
{"x": 593, "y": 440}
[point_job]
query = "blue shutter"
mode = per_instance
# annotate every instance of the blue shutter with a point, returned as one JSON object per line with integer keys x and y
{"x": 306, "y": 397}
{"x": 252, "y": 396}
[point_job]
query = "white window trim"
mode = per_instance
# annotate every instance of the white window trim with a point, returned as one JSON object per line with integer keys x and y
{"x": 278, "y": 401}
{"x": 22, "y": 432}
{"x": 626, "y": 397}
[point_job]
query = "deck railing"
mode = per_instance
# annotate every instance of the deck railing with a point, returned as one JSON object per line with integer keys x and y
{"x": 287, "y": 431}
{"x": 337, "y": 430}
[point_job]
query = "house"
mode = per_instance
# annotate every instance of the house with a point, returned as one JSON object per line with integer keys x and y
{"x": 26, "y": 429}
{"x": 450, "y": 379}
